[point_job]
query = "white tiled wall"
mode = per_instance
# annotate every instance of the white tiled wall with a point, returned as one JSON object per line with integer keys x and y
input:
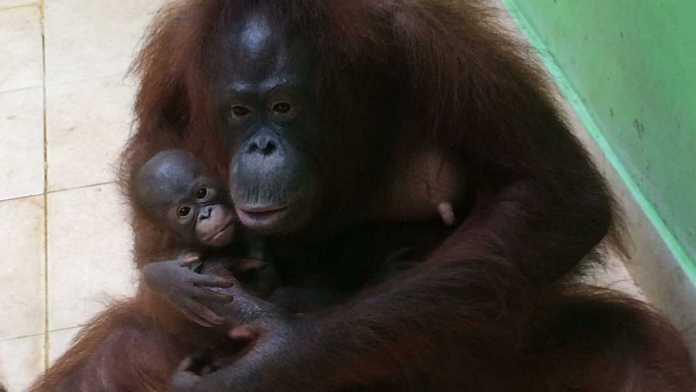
{"x": 93, "y": 218}
{"x": 21, "y": 48}
{"x": 22, "y": 146}
{"x": 65, "y": 113}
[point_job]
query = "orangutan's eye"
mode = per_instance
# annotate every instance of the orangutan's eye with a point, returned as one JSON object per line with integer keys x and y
{"x": 202, "y": 193}
{"x": 183, "y": 212}
{"x": 240, "y": 111}
{"x": 282, "y": 107}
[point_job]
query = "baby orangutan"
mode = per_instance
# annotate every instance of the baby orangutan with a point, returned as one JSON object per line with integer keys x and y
{"x": 175, "y": 190}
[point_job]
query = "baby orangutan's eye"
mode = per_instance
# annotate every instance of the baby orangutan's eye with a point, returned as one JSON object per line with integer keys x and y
{"x": 202, "y": 193}
{"x": 183, "y": 212}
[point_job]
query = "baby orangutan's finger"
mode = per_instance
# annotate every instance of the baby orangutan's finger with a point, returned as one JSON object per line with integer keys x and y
{"x": 194, "y": 318}
{"x": 205, "y": 280}
{"x": 249, "y": 264}
{"x": 243, "y": 334}
{"x": 446, "y": 212}
{"x": 185, "y": 365}
{"x": 184, "y": 379}
{"x": 189, "y": 258}
{"x": 215, "y": 294}
{"x": 197, "y": 363}
{"x": 202, "y": 314}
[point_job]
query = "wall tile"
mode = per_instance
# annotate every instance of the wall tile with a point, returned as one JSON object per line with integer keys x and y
{"x": 88, "y": 124}
{"x": 21, "y": 149}
{"x": 20, "y": 48}
{"x": 21, "y": 362}
{"x": 60, "y": 341}
{"x": 89, "y": 254}
{"x": 87, "y": 39}
{"x": 4, "y": 4}
{"x": 22, "y": 267}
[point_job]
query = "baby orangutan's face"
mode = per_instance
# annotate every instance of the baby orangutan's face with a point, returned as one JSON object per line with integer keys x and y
{"x": 174, "y": 188}
{"x": 203, "y": 216}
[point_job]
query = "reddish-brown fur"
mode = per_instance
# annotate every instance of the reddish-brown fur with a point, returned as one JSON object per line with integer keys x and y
{"x": 488, "y": 310}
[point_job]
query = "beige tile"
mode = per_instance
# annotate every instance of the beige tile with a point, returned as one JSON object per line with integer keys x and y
{"x": 87, "y": 126}
{"x": 21, "y": 362}
{"x": 89, "y": 254}
{"x": 87, "y": 39}
{"x": 59, "y": 342}
{"x": 22, "y": 267}
{"x": 20, "y": 48}
{"x": 21, "y": 149}
{"x": 16, "y": 3}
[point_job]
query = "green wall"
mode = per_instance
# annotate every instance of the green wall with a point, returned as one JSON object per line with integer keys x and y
{"x": 633, "y": 65}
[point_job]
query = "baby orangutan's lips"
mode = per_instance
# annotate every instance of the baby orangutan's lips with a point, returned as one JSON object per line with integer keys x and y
{"x": 224, "y": 235}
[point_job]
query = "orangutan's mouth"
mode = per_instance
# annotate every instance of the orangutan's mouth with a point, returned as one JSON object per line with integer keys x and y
{"x": 261, "y": 217}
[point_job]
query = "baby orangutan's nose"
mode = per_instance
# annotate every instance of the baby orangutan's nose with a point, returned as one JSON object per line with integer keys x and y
{"x": 205, "y": 213}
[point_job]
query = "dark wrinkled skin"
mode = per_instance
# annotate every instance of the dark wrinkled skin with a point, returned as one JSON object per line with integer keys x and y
{"x": 190, "y": 284}
{"x": 176, "y": 190}
{"x": 268, "y": 333}
{"x": 267, "y": 100}
{"x": 186, "y": 290}
{"x": 284, "y": 322}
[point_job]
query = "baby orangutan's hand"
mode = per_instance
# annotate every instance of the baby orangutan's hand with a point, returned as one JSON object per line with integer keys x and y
{"x": 176, "y": 281}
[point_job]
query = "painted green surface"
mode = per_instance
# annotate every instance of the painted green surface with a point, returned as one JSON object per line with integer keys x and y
{"x": 633, "y": 65}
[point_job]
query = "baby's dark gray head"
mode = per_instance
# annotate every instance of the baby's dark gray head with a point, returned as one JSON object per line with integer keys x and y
{"x": 174, "y": 188}
{"x": 166, "y": 179}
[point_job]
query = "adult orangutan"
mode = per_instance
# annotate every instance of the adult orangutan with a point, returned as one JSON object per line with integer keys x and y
{"x": 317, "y": 111}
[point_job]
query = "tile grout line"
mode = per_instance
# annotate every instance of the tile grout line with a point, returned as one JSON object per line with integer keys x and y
{"x": 123, "y": 78}
{"x": 59, "y": 190}
{"x": 20, "y": 337}
{"x": 14, "y": 7}
{"x": 79, "y": 187}
{"x": 30, "y": 196}
{"x": 63, "y": 329}
{"x": 19, "y": 89}
{"x": 31, "y": 335}
{"x": 47, "y": 341}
